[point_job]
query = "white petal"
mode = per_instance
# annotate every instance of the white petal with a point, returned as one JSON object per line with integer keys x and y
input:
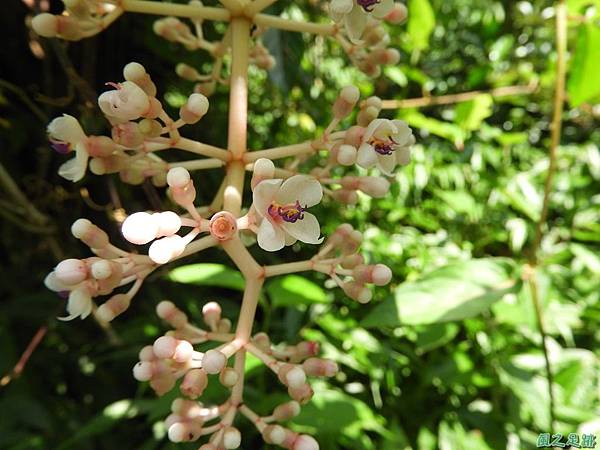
{"x": 382, "y": 8}
{"x": 385, "y": 129}
{"x": 356, "y": 21}
{"x": 403, "y": 132}
{"x": 264, "y": 194}
{"x": 74, "y": 169}
{"x": 340, "y": 7}
{"x": 371, "y": 128}
{"x": 303, "y": 188}
{"x": 270, "y": 237}
{"x": 366, "y": 156}
{"x": 289, "y": 240}
{"x": 66, "y": 129}
{"x": 387, "y": 163}
{"x": 305, "y": 230}
{"x": 403, "y": 155}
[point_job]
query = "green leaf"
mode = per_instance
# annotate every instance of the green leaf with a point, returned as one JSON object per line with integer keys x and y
{"x": 583, "y": 83}
{"x": 421, "y": 22}
{"x": 396, "y": 75}
{"x": 446, "y": 130}
{"x": 470, "y": 115}
{"x": 455, "y": 292}
{"x": 208, "y": 275}
{"x": 294, "y": 290}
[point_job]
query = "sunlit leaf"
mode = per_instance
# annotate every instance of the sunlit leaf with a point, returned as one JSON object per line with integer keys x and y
{"x": 206, "y": 274}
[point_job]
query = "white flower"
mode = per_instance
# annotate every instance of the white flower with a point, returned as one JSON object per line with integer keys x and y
{"x": 355, "y": 13}
{"x": 79, "y": 305}
{"x": 386, "y": 143}
{"x": 282, "y": 206}
{"x": 127, "y": 102}
{"x": 65, "y": 135}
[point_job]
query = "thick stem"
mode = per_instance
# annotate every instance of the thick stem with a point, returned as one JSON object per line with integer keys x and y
{"x": 265, "y": 20}
{"x": 172, "y": 9}
{"x": 280, "y": 152}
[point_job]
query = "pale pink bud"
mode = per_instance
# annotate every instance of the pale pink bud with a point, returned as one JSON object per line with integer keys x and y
{"x": 140, "y": 228}
{"x": 184, "y": 407}
{"x": 264, "y": 169}
{"x": 147, "y": 353}
{"x": 184, "y": 431}
{"x": 143, "y": 371}
{"x": 345, "y": 196}
{"x": 367, "y": 115}
{"x": 354, "y": 135}
{"x": 381, "y": 275}
{"x": 307, "y": 348}
{"x": 228, "y": 377}
{"x": 172, "y": 419}
{"x": 397, "y": 15}
{"x": 317, "y": 367}
{"x": 167, "y": 311}
{"x": 193, "y": 110}
{"x": 89, "y": 234}
{"x": 178, "y": 177}
{"x": 346, "y": 155}
{"x": 160, "y": 179}
{"x": 286, "y": 411}
{"x": 374, "y": 36}
{"x": 168, "y": 222}
{"x": 109, "y": 164}
{"x": 101, "y": 269}
{"x": 128, "y": 134}
{"x": 150, "y": 128}
{"x": 187, "y": 72}
{"x": 357, "y": 292}
{"x": 52, "y": 283}
{"x": 101, "y": 146}
{"x": 45, "y": 25}
{"x": 262, "y": 341}
{"x": 134, "y": 71}
{"x": 71, "y": 271}
{"x": 162, "y": 384}
{"x": 305, "y": 442}
{"x": 207, "y": 88}
{"x": 291, "y": 375}
{"x": 164, "y": 347}
{"x": 274, "y": 434}
{"x": 351, "y": 261}
{"x": 113, "y": 307}
{"x": 231, "y": 438}
{"x": 345, "y": 102}
{"x": 212, "y": 314}
{"x": 301, "y": 394}
{"x": 223, "y": 226}
{"x": 376, "y": 187}
{"x": 164, "y": 250}
{"x": 213, "y": 361}
{"x": 208, "y": 446}
{"x": 194, "y": 382}
{"x": 224, "y": 326}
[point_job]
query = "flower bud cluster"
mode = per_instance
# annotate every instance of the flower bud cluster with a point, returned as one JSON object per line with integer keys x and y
{"x": 83, "y": 279}
{"x": 338, "y": 258}
{"x": 80, "y": 19}
{"x": 261, "y": 57}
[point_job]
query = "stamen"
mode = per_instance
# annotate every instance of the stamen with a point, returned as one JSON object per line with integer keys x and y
{"x": 367, "y": 5}
{"x": 383, "y": 147}
{"x": 289, "y": 213}
{"x": 60, "y": 147}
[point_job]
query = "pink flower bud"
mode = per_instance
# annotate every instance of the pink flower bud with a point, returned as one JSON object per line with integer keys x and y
{"x": 213, "y": 361}
{"x": 102, "y": 269}
{"x": 264, "y": 169}
{"x": 351, "y": 261}
{"x": 345, "y": 102}
{"x": 168, "y": 222}
{"x": 164, "y": 347}
{"x": 194, "y": 382}
{"x": 162, "y": 384}
{"x": 231, "y": 438}
{"x": 146, "y": 370}
{"x": 134, "y": 71}
{"x": 71, "y": 271}
{"x": 223, "y": 226}
{"x": 185, "y": 408}
{"x": 140, "y": 228}
{"x": 109, "y": 164}
{"x": 52, "y": 283}
{"x": 262, "y": 341}
{"x": 128, "y": 134}
{"x": 376, "y": 187}
{"x": 367, "y": 115}
{"x": 207, "y": 88}
{"x": 228, "y": 377}
{"x": 212, "y": 314}
{"x": 305, "y": 442}
{"x": 113, "y": 307}
{"x": 346, "y": 155}
{"x": 194, "y": 109}
{"x": 357, "y": 292}
{"x": 345, "y": 196}
{"x": 147, "y": 353}
{"x": 208, "y": 446}
{"x": 317, "y": 367}
{"x": 224, "y": 326}
{"x": 178, "y": 177}
{"x": 149, "y": 128}
{"x": 89, "y": 234}
{"x": 164, "y": 250}
{"x": 173, "y": 419}
{"x": 184, "y": 431}
{"x": 167, "y": 311}
{"x": 301, "y": 394}
{"x": 187, "y": 72}
{"x": 307, "y": 348}
{"x": 100, "y": 146}
{"x": 286, "y": 411}
{"x": 397, "y": 15}
{"x": 274, "y": 434}
{"x": 381, "y": 275}
{"x": 354, "y": 136}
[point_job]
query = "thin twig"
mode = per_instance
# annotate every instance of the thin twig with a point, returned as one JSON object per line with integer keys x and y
{"x": 35, "y": 109}
{"x": 18, "y": 369}
{"x": 556, "y": 128}
{"x": 420, "y": 102}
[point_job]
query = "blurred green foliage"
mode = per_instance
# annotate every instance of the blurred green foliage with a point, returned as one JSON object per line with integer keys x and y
{"x": 449, "y": 357}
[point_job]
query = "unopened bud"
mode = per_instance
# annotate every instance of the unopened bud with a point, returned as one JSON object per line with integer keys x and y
{"x": 150, "y": 128}
{"x": 71, "y": 271}
{"x": 113, "y": 307}
{"x": 168, "y": 223}
{"x": 140, "y": 228}
{"x": 397, "y": 15}
{"x": 167, "y": 311}
{"x": 184, "y": 431}
{"x": 305, "y": 442}
{"x": 164, "y": 250}
{"x": 194, "y": 382}
{"x": 45, "y": 25}
{"x": 264, "y": 169}
{"x": 187, "y": 72}
{"x": 301, "y": 394}
{"x": 317, "y": 367}
{"x": 262, "y": 341}
{"x": 231, "y": 438}
{"x": 194, "y": 109}
{"x": 286, "y": 411}
{"x": 228, "y": 377}
{"x": 274, "y": 434}
{"x": 224, "y": 326}
{"x": 211, "y": 313}
{"x": 345, "y": 102}
{"x": 376, "y": 187}
{"x": 346, "y": 155}
{"x": 351, "y": 261}
{"x": 367, "y": 115}
{"x": 213, "y": 361}
{"x": 89, "y": 234}
{"x": 357, "y": 292}
{"x": 178, "y": 177}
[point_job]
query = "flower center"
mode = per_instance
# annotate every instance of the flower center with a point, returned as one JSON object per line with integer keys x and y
{"x": 383, "y": 147}
{"x": 60, "y": 147}
{"x": 367, "y": 5}
{"x": 289, "y": 213}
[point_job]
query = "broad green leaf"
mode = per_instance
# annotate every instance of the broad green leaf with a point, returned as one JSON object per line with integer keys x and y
{"x": 421, "y": 22}
{"x": 396, "y": 75}
{"x": 455, "y": 292}
{"x": 470, "y": 115}
{"x": 294, "y": 290}
{"x": 208, "y": 275}
{"x": 583, "y": 83}
{"x": 445, "y": 130}
{"x": 454, "y": 436}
